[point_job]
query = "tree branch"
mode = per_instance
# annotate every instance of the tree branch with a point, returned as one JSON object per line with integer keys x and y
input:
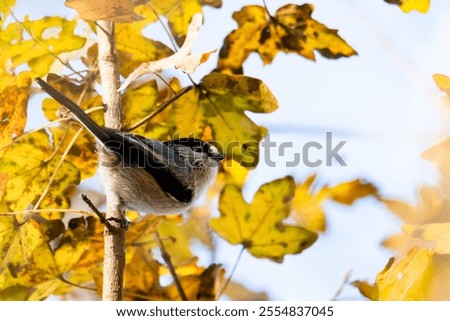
{"x": 166, "y": 258}
{"x": 114, "y": 257}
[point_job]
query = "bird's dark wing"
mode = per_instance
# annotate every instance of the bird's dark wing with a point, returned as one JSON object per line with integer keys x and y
{"x": 154, "y": 157}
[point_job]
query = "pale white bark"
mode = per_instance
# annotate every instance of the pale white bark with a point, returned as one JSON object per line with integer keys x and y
{"x": 114, "y": 236}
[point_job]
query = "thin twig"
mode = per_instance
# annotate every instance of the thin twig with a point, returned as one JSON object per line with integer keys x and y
{"x": 101, "y": 28}
{"x": 166, "y": 258}
{"x": 63, "y": 157}
{"x": 169, "y": 238}
{"x": 143, "y": 243}
{"x": 78, "y": 72}
{"x": 56, "y": 151}
{"x": 165, "y": 82}
{"x": 266, "y": 8}
{"x": 43, "y": 210}
{"x": 232, "y": 272}
{"x": 91, "y": 205}
{"x": 342, "y": 285}
{"x": 33, "y": 131}
{"x": 62, "y": 279}
{"x": 88, "y": 111}
{"x": 192, "y": 81}
{"x": 163, "y": 106}
{"x": 172, "y": 41}
{"x": 66, "y": 64}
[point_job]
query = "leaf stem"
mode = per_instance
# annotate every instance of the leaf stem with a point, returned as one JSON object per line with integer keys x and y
{"x": 232, "y": 272}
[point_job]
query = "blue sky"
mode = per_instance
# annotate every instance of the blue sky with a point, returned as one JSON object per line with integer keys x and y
{"x": 383, "y": 102}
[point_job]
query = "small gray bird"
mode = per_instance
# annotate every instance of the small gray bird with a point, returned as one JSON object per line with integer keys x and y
{"x": 147, "y": 175}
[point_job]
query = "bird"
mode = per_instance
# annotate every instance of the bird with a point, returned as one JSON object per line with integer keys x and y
{"x": 144, "y": 174}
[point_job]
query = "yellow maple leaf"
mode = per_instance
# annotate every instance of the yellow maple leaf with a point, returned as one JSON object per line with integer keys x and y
{"x": 229, "y": 173}
{"x": 438, "y": 234}
{"x": 176, "y": 240}
{"x": 3, "y": 181}
{"x": 6, "y": 7}
{"x": 211, "y": 281}
{"x": 82, "y": 153}
{"x": 79, "y": 250}
{"x": 14, "y": 101}
{"x": 142, "y": 49}
{"x": 430, "y": 206}
{"x": 443, "y": 82}
{"x": 138, "y": 103}
{"x": 141, "y": 276}
{"x": 236, "y": 291}
{"x": 407, "y": 6}
{"x": 83, "y": 94}
{"x": 201, "y": 284}
{"x": 259, "y": 226}
{"x": 51, "y": 36}
{"x": 26, "y": 259}
{"x": 370, "y": 291}
{"x": 221, "y": 103}
{"x": 347, "y": 193}
{"x": 405, "y": 279}
{"x": 178, "y": 234}
{"x": 180, "y": 12}
{"x": 308, "y": 202}
{"x": 109, "y": 10}
{"x": 29, "y": 164}
{"x": 438, "y": 154}
{"x": 307, "y": 205}
{"x": 290, "y": 30}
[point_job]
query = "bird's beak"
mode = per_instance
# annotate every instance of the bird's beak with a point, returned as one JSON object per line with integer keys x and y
{"x": 217, "y": 156}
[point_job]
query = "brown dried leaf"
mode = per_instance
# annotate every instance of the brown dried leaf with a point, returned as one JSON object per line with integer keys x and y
{"x": 109, "y": 10}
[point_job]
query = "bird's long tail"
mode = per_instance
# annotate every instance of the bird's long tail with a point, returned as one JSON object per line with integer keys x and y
{"x": 96, "y": 130}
